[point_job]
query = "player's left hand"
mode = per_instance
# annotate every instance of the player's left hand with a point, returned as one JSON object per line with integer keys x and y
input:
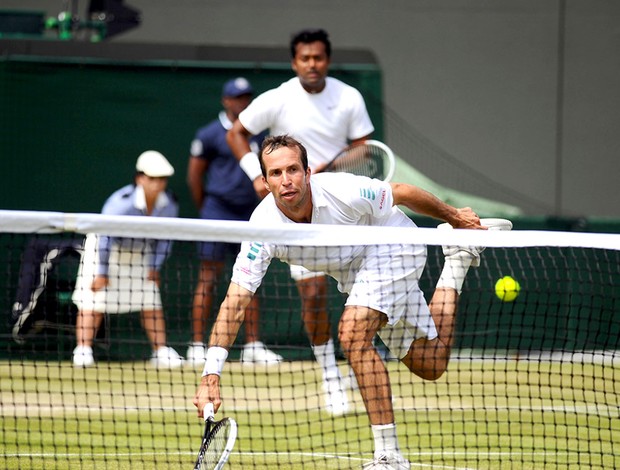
{"x": 466, "y": 218}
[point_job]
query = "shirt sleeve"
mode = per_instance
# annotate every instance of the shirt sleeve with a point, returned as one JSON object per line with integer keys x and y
{"x": 368, "y": 196}
{"x": 116, "y": 204}
{"x": 261, "y": 113}
{"x": 251, "y": 265}
{"x": 163, "y": 248}
{"x": 360, "y": 123}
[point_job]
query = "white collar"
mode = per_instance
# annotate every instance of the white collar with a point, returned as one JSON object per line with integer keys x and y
{"x": 139, "y": 199}
{"x": 226, "y": 123}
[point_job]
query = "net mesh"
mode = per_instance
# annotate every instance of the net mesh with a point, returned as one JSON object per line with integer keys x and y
{"x": 532, "y": 382}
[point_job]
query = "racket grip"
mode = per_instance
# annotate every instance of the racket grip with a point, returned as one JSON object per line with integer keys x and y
{"x": 208, "y": 412}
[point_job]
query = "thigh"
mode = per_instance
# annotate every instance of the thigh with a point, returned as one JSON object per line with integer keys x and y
{"x": 360, "y": 324}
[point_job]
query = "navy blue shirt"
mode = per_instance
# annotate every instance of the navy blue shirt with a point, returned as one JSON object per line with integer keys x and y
{"x": 225, "y": 179}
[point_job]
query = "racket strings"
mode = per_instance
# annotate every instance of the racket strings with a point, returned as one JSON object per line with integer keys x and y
{"x": 216, "y": 445}
{"x": 363, "y": 160}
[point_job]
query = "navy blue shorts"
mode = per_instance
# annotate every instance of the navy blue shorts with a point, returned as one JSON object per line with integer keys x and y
{"x": 215, "y": 209}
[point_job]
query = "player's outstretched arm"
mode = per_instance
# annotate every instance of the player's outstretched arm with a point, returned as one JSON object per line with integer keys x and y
{"x": 230, "y": 316}
{"x": 425, "y": 203}
{"x": 223, "y": 334}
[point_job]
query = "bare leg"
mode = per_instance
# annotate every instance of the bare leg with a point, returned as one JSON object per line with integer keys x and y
{"x": 357, "y": 328}
{"x": 155, "y": 326}
{"x": 86, "y": 327}
{"x": 313, "y": 293}
{"x": 429, "y": 358}
{"x": 203, "y": 298}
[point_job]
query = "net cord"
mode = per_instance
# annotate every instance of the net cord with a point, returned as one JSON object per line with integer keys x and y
{"x": 43, "y": 222}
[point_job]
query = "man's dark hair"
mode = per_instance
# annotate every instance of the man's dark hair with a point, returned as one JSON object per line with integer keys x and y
{"x": 274, "y": 142}
{"x": 307, "y": 36}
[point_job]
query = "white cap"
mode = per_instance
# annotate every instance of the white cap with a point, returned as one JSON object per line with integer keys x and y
{"x": 154, "y": 164}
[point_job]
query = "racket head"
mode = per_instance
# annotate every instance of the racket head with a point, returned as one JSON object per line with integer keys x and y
{"x": 217, "y": 445}
{"x": 371, "y": 158}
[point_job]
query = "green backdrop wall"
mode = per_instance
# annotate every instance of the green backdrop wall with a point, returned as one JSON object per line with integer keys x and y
{"x": 71, "y": 129}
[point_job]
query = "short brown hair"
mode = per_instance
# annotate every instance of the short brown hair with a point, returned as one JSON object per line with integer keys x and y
{"x": 274, "y": 142}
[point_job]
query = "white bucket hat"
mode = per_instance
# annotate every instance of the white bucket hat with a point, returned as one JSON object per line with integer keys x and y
{"x": 154, "y": 164}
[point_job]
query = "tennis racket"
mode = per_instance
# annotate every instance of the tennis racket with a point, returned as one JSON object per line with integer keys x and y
{"x": 218, "y": 441}
{"x": 370, "y": 158}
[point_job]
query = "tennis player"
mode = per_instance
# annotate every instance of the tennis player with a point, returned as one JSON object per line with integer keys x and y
{"x": 326, "y": 115}
{"x": 382, "y": 281}
{"x": 121, "y": 275}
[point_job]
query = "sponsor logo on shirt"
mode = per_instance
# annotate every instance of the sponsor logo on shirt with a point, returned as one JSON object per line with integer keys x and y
{"x": 368, "y": 193}
{"x": 254, "y": 249}
{"x": 382, "y": 201}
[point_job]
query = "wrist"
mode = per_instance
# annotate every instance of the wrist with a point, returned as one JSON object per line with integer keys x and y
{"x": 250, "y": 165}
{"x": 214, "y": 362}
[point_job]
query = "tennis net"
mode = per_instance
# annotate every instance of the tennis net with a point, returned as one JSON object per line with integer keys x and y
{"x": 532, "y": 383}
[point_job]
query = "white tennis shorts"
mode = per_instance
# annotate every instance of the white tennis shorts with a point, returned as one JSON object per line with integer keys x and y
{"x": 387, "y": 279}
{"x": 129, "y": 290}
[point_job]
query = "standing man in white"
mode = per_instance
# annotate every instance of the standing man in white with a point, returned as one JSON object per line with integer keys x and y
{"x": 326, "y": 115}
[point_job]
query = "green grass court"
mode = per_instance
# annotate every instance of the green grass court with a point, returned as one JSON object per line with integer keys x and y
{"x": 483, "y": 414}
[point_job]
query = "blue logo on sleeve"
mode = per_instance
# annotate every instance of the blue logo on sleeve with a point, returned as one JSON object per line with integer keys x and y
{"x": 368, "y": 193}
{"x": 254, "y": 249}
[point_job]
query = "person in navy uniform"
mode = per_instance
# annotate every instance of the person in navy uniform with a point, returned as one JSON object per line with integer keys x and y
{"x": 221, "y": 190}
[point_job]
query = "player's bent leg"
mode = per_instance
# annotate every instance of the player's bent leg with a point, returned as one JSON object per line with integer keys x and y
{"x": 428, "y": 359}
{"x": 356, "y": 330}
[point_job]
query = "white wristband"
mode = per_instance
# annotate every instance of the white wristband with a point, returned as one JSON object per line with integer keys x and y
{"x": 214, "y": 363}
{"x": 250, "y": 165}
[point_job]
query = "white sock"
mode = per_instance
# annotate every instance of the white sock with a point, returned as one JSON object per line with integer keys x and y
{"x": 254, "y": 345}
{"x": 454, "y": 272}
{"x": 326, "y": 357}
{"x": 386, "y": 439}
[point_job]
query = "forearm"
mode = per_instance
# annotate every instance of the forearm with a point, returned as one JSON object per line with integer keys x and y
{"x": 422, "y": 202}
{"x": 230, "y": 317}
{"x": 197, "y": 192}
{"x": 237, "y": 139}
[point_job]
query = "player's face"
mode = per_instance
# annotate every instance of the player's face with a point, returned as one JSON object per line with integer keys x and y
{"x": 311, "y": 65}
{"x": 289, "y": 183}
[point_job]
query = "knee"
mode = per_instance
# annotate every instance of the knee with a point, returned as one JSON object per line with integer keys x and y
{"x": 427, "y": 360}
{"x": 431, "y": 374}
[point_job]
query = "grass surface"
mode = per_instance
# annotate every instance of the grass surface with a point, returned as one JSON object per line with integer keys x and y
{"x": 483, "y": 414}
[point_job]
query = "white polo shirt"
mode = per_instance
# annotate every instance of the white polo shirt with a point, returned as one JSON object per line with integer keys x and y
{"x": 337, "y": 198}
{"x": 324, "y": 122}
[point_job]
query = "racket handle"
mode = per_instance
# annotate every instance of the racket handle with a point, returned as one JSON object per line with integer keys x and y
{"x": 208, "y": 412}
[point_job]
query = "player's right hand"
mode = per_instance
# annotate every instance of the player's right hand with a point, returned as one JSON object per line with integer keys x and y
{"x": 208, "y": 392}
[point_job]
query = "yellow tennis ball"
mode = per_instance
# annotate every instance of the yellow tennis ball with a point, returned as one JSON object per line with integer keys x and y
{"x": 507, "y": 289}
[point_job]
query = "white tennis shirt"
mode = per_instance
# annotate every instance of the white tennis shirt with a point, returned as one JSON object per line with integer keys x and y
{"x": 337, "y": 198}
{"x": 324, "y": 122}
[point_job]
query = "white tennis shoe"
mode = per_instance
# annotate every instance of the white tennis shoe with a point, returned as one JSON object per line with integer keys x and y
{"x": 196, "y": 354}
{"x": 336, "y": 399}
{"x": 257, "y": 353}
{"x": 83, "y": 356}
{"x": 388, "y": 461}
{"x": 473, "y": 252}
{"x": 166, "y": 358}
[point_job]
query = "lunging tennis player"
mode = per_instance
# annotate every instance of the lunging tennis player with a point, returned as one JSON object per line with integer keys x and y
{"x": 381, "y": 281}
